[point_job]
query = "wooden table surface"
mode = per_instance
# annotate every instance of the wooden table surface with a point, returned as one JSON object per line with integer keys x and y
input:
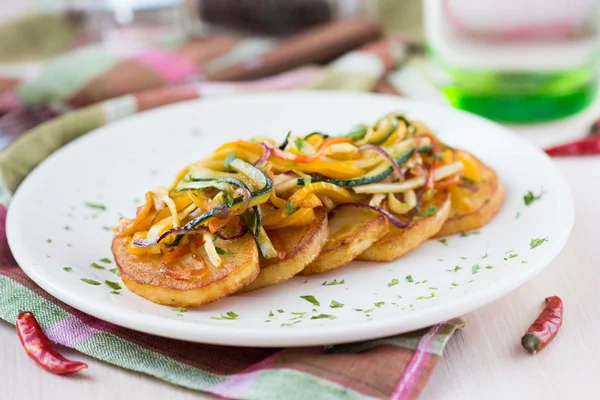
{"x": 485, "y": 360}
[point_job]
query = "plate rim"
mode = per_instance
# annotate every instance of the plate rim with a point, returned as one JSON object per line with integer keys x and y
{"x": 256, "y": 337}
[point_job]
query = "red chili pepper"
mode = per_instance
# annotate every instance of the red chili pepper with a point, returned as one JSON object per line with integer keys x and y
{"x": 277, "y": 152}
{"x": 545, "y": 327}
{"x": 40, "y": 349}
{"x": 586, "y": 146}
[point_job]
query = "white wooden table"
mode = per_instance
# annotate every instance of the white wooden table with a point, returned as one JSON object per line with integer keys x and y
{"x": 484, "y": 361}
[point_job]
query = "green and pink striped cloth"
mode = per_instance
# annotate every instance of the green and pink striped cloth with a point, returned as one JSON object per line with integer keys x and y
{"x": 59, "y": 103}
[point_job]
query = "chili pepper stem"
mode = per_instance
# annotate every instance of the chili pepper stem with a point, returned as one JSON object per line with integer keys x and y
{"x": 531, "y": 343}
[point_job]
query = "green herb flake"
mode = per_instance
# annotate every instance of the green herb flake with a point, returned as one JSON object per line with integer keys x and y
{"x": 518, "y": 215}
{"x": 444, "y": 242}
{"x": 454, "y": 284}
{"x": 229, "y": 159}
{"x": 467, "y": 234}
{"x": 181, "y": 309}
{"x": 299, "y": 144}
{"x": 486, "y": 201}
{"x": 429, "y": 212}
{"x": 489, "y": 267}
{"x": 335, "y": 304}
{"x": 307, "y": 179}
{"x": 537, "y": 242}
{"x": 68, "y": 269}
{"x": 95, "y": 206}
{"x": 333, "y": 282}
{"x": 409, "y": 278}
{"x": 311, "y": 299}
{"x": 299, "y": 313}
{"x": 468, "y": 180}
{"x": 475, "y": 268}
{"x": 97, "y": 266}
{"x": 462, "y": 257}
{"x": 148, "y": 281}
{"x": 229, "y": 316}
{"x": 523, "y": 262}
{"x": 431, "y": 296}
{"x": 457, "y": 268}
{"x": 290, "y": 208}
{"x": 393, "y": 282}
{"x": 67, "y": 228}
{"x": 106, "y": 260}
{"x": 106, "y": 228}
{"x": 471, "y": 281}
{"x": 113, "y": 285}
{"x": 529, "y": 197}
{"x": 367, "y": 212}
{"x": 280, "y": 311}
{"x": 115, "y": 271}
{"x": 283, "y": 325}
{"x": 114, "y": 292}
{"x": 322, "y": 316}
{"x": 485, "y": 255}
{"x": 90, "y": 281}
{"x": 219, "y": 250}
{"x": 379, "y": 304}
{"x": 271, "y": 315}
{"x": 432, "y": 288}
{"x": 48, "y": 240}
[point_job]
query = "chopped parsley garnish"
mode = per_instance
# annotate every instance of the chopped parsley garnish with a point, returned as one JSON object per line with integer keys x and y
{"x": 271, "y": 315}
{"x": 115, "y": 271}
{"x": 471, "y": 281}
{"x": 219, "y": 250}
{"x": 48, "y": 240}
{"x": 280, "y": 311}
{"x": 229, "y": 316}
{"x": 486, "y": 201}
{"x": 300, "y": 313}
{"x": 290, "y": 208}
{"x": 307, "y": 180}
{"x": 485, "y": 255}
{"x": 90, "y": 281}
{"x": 114, "y": 292}
{"x": 106, "y": 228}
{"x": 230, "y": 200}
{"x": 475, "y": 268}
{"x": 335, "y": 304}
{"x": 536, "y": 242}
{"x": 181, "y": 309}
{"x": 530, "y": 197}
{"x": 431, "y": 296}
{"x": 432, "y": 288}
{"x": 489, "y": 267}
{"x": 467, "y": 234}
{"x": 67, "y": 228}
{"x": 393, "y": 282}
{"x": 511, "y": 256}
{"x": 443, "y": 241}
{"x": 462, "y": 257}
{"x": 229, "y": 159}
{"x": 409, "y": 278}
{"x": 284, "y": 324}
{"x": 429, "y": 212}
{"x": 457, "y": 268}
{"x": 367, "y": 212}
{"x": 454, "y": 284}
{"x": 68, "y": 269}
{"x": 106, "y": 260}
{"x": 333, "y": 282}
{"x": 379, "y": 304}
{"x": 113, "y": 285}
{"x": 299, "y": 144}
{"x": 148, "y": 281}
{"x": 523, "y": 262}
{"x": 95, "y": 206}
{"x": 311, "y": 299}
{"x": 518, "y": 215}
{"x": 440, "y": 259}
{"x": 322, "y": 316}
{"x": 468, "y": 180}
{"x": 97, "y": 266}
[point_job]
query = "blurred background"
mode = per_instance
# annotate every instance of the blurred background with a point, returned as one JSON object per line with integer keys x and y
{"x": 515, "y": 61}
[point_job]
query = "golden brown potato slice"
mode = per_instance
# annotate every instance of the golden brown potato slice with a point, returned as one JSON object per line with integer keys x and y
{"x": 351, "y": 231}
{"x": 398, "y": 241}
{"x": 486, "y": 203}
{"x": 142, "y": 275}
{"x": 302, "y": 244}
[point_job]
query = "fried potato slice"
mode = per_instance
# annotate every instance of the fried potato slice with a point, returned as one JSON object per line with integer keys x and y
{"x": 398, "y": 242}
{"x": 142, "y": 275}
{"x": 351, "y": 231}
{"x": 484, "y": 204}
{"x": 302, "y": 244}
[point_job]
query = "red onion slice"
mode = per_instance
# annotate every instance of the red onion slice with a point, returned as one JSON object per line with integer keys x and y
{"x": 264, "y": 157}
{"x": 393, "y": 219}
{"x": 385, "y": 155}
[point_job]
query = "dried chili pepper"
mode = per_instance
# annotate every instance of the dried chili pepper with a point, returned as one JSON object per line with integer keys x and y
{"x": 545, "y": 327}
{"x": 586, "y": 146}
{"x": 40, "y": 349}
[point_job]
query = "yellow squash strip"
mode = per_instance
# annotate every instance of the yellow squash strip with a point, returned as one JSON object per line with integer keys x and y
{"x": 301, "y": 217}
{"x": 335, "y": 193}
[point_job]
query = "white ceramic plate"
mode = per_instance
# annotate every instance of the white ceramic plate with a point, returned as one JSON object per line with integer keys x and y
{"x": 51, "y": 227}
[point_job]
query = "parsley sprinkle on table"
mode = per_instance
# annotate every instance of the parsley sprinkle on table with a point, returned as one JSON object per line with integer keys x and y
{"x": 393, "y": 282}
{"x": 90, "y": 281}
{"x": 229, "y": 316}
{"x": 518, "y": 215}
{"x": 523, "y": 262}
{"x": 454, "y": 284}
{"x": 475, "y": 268}
{"x": 379, "y": 304}
{"x": 181, "y": 309}
{"x": 48, "y": 240}
{"x": 432, "y": 288}
{"x": 113, "y": 285}
{"x": 335, "y": 304}
{"x": 333, "y": 282}
{"x": 462, "y": 257}
{"x": 97, "y": 266}
{"x": 68, "y": 269}
{"x": 280, "y": 311}
{"x": 115, "y": 271}
{"x": 409, "y": 278}
{"x": 95, "y": 206}
{"x": 106, "y": 228}
{"x": 489, "y": 267}
{"x": 530, "y": 197}
{"x": 467, "y": 234}
{"x": 536, "y": 242}
{"x": 300, "y": 313}
{"x": 485, "y": 255}
{"x": 271, "y": 315}
{"x": 67, "y": 228}
{"x": 311, "y": 299}
{"x": 457, "y": 268}
{"x": 444, "y": 242}
{"x": 323, "y": 316}
{"x": 106, "y": 260}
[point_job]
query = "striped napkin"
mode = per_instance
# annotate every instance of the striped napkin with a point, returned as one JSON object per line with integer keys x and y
{"x": 90, "y": 87}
